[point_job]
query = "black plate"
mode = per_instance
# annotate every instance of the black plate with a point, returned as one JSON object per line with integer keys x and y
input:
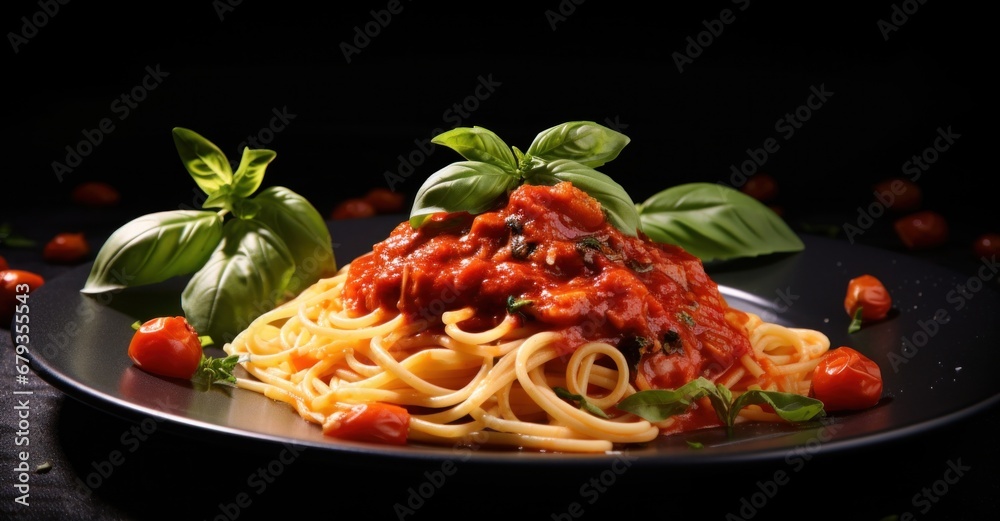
{"x": 938, "y": 353}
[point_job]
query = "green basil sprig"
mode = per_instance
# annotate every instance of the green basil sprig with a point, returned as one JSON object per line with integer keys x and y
{"x": 659, "y": 404}
{"x": 244, "y": 258}
{"x": 566, "y": 152}
{"x": 715, "y": 222}
{"x": 710, "y": 221}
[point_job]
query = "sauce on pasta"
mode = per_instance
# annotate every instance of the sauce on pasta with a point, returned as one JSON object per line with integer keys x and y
{"x": 551, "y": 246}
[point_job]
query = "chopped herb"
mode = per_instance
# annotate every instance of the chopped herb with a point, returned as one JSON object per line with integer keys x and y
{"x": 683, "y": 316}
{"x": 639, "y": 267}
{"x": 515, "y": 225}
{"x": 519, "y": 249}
{"x": 855, "y": 324}
{"x": 659, "y": 404}
{"x": 672, "y": 343}
{"x": 514, "y": 305}
{"x": 216, "y": 370}
{"x": 695, "y": 444}
{"x": 583, "y": 403}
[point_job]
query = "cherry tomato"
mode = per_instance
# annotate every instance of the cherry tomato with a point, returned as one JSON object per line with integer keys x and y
{"x": 372, "y": 422}
{"x": 868, "y": 293}
{"x": 846, "y": 380}
{"x": 15, "y": 287}
{"x": 95, "y": 194}
{"x": 922, "y": 230}
{"x": 385, "y": 200}
{"x": 987, "y": 245}
{"x": 761, "y": 186}
{"x": 167, "y": 346}
{"x": 66, "y": 248}
{"x": 3, "y": 263}
{"x": 353, "y": 209}
{"x": 898, "y": 194}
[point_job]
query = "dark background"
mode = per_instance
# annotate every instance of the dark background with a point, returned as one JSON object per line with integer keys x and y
{"x": 228, "y": 69}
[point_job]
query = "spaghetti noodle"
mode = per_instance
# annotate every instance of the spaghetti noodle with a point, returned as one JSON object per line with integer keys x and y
{"x": 479, "y": 327}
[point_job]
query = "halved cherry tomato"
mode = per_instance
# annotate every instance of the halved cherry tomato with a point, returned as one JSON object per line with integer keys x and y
{"x": 95, "y": 194}
{"x": 762, "y": 187}
{"x": 922, "y": 230}
{"x": 372, "y": 422}
{"x": 846, "y": 380}
{"x": 898, "y": 194}
{"x": 15, "y": 287}
{"x": 66, "y": 248}
{"x": 385, "y": 200}
{"x": 353, "y": 209}
{"x": 868, "y": 293}
{"x": 987, "y": 245}
{"x": 167, "y": 346}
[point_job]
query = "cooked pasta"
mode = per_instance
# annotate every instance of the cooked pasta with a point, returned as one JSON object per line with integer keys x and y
{"x": 417, "y": 324}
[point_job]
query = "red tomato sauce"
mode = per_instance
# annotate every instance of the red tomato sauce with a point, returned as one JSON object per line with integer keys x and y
{"x": 553, "y": 247}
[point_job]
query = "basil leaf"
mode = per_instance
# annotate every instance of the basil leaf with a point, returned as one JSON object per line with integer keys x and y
{"x": 713, "y": 221}
{"x": 479, "y": 144}
{"x": 250, "y": 173}
{"x": 659, "y": 404}
{"x": 465, "y": 186}
{"x": 245, "y": 277}
{"x": 154, "y": 248}
{"x": 855, "y": 324}
{"x": 303, "y": 230}
{"x": 585, "y": 142}
{"x": 206, "y": 163}
{"x": 582, "y": 402}
{"x": 618, "y": 206}
{"x": 789, "y": 406}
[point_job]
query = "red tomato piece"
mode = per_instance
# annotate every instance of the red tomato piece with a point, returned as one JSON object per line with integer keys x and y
{"x": 385, "y": 200}
{"x": 898, "y": 194}
{"x": 922, "y": 230}
{"x": 15, "y": 286}
{"x": 3, "y": 263}
{"x": 372, "y": 422}
{"x": 845, "y": 380}
{"x": 167, "y": 346}
{"x": 353, "y": 209}
{"x": 868, "y": 293}
{"x": 95, "y": 194}
{"x": 66, "y": 248}
{"x": 762, "y": 187}
{"x": 987, "y": 245}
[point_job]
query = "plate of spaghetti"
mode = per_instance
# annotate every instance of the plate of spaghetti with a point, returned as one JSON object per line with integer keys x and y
{"x": 538, "y": 325}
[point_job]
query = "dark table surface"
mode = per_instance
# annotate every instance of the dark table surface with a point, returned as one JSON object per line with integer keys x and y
{"x": 829, "y": 98}
{"x": 99, "y": 464}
